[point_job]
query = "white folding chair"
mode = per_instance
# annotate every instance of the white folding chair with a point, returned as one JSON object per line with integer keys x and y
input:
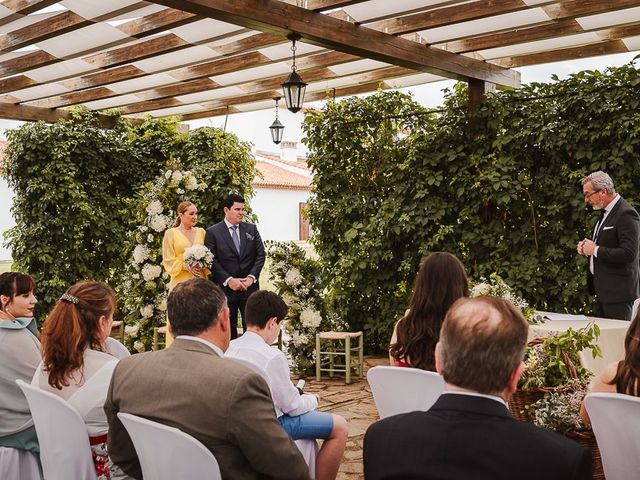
{"x": 401, "y": 389}
{"x": 19, "y": 464}
{"x": 308, "y": 447}
{"x": 64, "y": 440}
{"x": 634, "y": 308}
{"x": 117, "y": 349}
{"x": 615, "y": 419}
{"x": 166, "y": 453}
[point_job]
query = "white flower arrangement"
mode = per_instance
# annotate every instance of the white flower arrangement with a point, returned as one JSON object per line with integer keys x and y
{"x": 198, "y": 256}
{"x": 140, "y": 253}
{"x": 497, "y": 287}
{"x": 151, "y": 272}
{"x": 297, "y": 279}
{"x": 145, "y": 289}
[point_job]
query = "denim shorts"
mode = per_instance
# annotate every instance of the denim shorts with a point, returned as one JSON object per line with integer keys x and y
{"x": 308, "y": 425}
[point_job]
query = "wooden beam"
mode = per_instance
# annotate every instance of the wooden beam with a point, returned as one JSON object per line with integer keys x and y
{"x": 209, "y": 113}
{"x": 22, "y": 8}
{"x": 278, "y": 17}
{"x": 584, "y": 51}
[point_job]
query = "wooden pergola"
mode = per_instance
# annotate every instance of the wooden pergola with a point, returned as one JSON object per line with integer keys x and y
{"x": 203, "y": 58}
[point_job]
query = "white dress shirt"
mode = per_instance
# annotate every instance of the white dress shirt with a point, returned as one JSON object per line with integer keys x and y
{"x": 286, "y": 398}
{"x": 598, "y": 227}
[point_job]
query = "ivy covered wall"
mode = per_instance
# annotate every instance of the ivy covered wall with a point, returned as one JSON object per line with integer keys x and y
{"x": 500, "y": 189}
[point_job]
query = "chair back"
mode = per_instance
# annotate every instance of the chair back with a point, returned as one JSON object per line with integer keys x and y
{"x": 117, "y": 349}
{"x": 402, "y": 389}
{"x": 634, "y": 308}
{"x": 615, "y": 419}
{"x": 19, "y": 464}
{"x": 62, "y": 434}
{"x": 166, "y": 453}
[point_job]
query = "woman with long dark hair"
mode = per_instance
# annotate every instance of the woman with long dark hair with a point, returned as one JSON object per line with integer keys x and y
{"x": 75, "y": 365}
{"x": 622, "y": 376}
{"x": 19, "y": 357}
{"x": 441, "y": 281}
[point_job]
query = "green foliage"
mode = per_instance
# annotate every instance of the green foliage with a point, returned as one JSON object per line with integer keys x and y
{"x": 297, "y": 279}
{"x": 77, "y": 193}
{"x": 555, "y": 360}
{"x": 501, "y": 190}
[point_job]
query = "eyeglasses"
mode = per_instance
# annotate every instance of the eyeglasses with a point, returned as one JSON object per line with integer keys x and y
{"x": 587, "y": 196}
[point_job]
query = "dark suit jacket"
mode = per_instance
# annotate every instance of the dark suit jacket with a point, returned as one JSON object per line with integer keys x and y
{"x": 221, "y": 403}
{"x": 228, "y": 262}
{"x": 616, "y": 268}
{"x": 466, "y": 437}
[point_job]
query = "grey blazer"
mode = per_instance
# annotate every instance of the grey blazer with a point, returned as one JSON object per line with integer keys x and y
{"x": 221, "y": 403}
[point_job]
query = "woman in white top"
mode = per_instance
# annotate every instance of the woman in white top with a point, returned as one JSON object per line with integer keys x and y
{"x": 75, "y": 365}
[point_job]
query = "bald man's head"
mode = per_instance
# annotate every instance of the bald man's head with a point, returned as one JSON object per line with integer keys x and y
{"x": 482, "y": 341}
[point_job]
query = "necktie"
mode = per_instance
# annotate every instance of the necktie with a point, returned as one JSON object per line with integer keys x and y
{"x": 596, "y": 230}
{"x": 236, "y": 238}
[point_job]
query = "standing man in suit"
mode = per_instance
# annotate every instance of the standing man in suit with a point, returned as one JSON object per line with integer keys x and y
{"x": 613, "y": 271}
{"x": 469, "y": 432}
{"x": 238, "y": 257}
{"x": 190, "y": 386}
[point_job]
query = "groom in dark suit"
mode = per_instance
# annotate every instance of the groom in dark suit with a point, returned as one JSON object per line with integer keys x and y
{"x": 238, "y": 257}
{"x": 613, "y": 271}
{"x": 469, "y": 432}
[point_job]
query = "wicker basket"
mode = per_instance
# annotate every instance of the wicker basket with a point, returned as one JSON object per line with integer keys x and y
{"x": 588, "y": 440}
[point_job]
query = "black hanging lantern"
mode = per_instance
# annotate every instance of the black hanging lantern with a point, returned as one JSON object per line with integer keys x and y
{"x": 294, "y": 87}
{"x": 277, "y": 129}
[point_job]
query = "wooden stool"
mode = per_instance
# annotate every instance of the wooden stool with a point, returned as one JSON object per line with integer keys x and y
{"x": 346, "y": 353}
{"x": 157, "y": 342}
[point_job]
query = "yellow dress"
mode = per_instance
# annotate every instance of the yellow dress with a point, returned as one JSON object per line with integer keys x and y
{"x": 174, "y": 244}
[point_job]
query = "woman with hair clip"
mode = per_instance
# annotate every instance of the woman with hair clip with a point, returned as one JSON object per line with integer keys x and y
{"x": 623, "y": 376}
{"x": 19, "y": 358}
{"x": 183, "y": 235}
{"x": 441, "y": 281}
{"x": 75, "y": 365}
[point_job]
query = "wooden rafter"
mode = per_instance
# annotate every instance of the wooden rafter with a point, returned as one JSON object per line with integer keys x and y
{"x": 325, "y": 31}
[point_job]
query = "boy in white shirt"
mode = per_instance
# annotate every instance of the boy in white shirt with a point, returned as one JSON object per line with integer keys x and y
{"x": 295, "y": 411}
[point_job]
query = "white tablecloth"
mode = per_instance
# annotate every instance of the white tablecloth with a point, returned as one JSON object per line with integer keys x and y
{"x": 611, "y": 341}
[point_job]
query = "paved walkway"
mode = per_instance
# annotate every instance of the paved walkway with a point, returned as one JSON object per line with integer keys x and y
{"x": 355, "y": 403}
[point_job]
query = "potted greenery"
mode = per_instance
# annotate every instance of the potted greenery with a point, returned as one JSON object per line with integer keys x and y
{"x": 554, "y": 383}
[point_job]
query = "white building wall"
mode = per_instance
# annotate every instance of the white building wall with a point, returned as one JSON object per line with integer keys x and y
{"x": 278, "y": 212}
{"x": 6, "y": 220}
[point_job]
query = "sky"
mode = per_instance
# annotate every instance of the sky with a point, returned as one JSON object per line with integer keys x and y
{"x": 254, "y": 126}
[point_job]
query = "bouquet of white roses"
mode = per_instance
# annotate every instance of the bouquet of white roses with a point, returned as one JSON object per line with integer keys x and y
{"x": 198, "y": 256}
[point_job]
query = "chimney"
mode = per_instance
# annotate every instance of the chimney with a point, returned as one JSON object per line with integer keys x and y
{"x": 289, "y": 150}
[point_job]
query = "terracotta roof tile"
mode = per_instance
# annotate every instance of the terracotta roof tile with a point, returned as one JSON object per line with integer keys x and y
{"x": 280, "y": 178}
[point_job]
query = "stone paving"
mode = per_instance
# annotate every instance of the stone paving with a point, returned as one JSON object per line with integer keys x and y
{"x": 355, "y": 403}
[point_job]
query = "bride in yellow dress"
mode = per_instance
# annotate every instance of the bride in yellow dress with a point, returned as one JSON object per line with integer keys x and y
{"x": 183, "y": 235}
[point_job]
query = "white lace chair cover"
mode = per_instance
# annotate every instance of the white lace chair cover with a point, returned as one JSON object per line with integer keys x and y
{"x": 64, "y": 440}
{"x": 402, "y": 389}
{"x": 308, "y": 447}
{"x": 166, "y": 453}
{"x": 19, "y": 464}
{"x": 615, "y": 419}
{"x": 117, "y": 349}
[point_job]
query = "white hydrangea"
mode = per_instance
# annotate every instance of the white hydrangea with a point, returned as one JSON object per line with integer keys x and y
{"x": 155, "y": 208}
{"x": 139, "y": 346}
{"x": 159, "y": 223}
{"x": 293, "y": 277}
{"x": 167, "y": 175}
{"x": 140, "y": 253}
{"x": 298, "y": 339}
{"x": 310, "y": 318}
{"x": 151, "y": 272}
{"x": 150, "y": 238}
{"x": 191, "y": 183}
{"x": 147, "y": 311}
{"x": 176, "y": 177}
{"x": 143, "y": 228}
{"x": 162, "y": 306}
{"x": 132, "y": 330}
